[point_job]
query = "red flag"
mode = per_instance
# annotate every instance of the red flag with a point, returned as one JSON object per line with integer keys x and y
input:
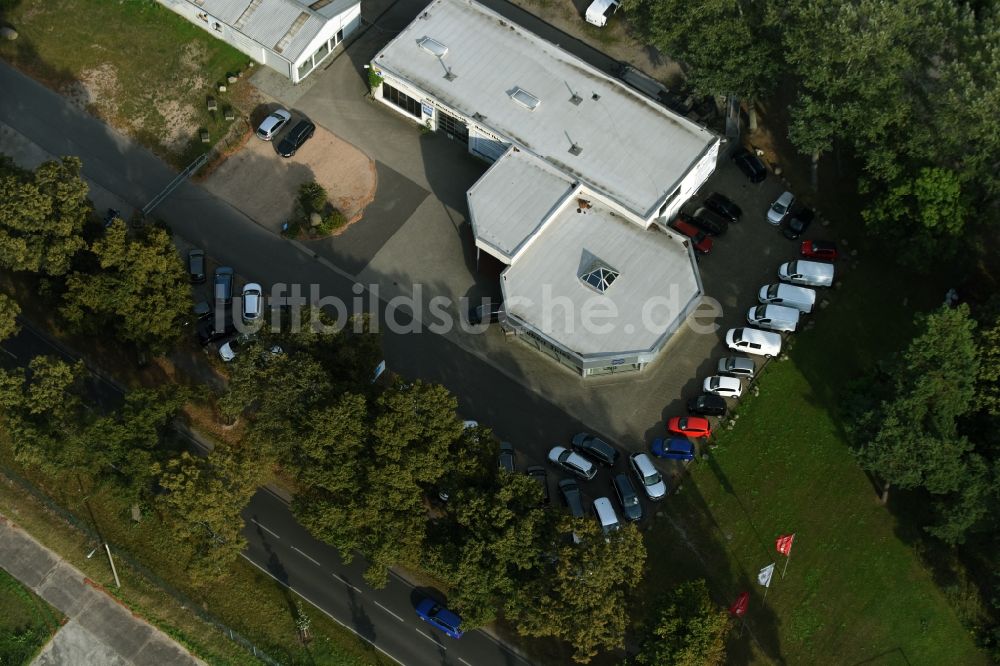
{"x": 739, "y": 607}
{"x": 784, "y": 544}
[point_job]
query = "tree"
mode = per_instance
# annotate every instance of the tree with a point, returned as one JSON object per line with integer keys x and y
{"x": 42, "y": 216}
{"x": 9, "y": 311}
{"x": 141, "y": 290}
{"x": 688, "y": 630}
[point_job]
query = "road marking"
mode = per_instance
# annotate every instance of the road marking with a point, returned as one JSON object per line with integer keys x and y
{"x": 254, "y": 521}
{"x": 306, "y": 556}
{"x": 391, "y": 613}
{"x": 464, "y": 662}
{"x": 344, "y": 581}
{"x": 9, "y": 353}
{"x": 431, "y": 639}
{"x": 324, "y": 611}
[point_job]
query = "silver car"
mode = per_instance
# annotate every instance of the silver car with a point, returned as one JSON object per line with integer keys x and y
{"x": 649, "y": 477}
{"x": 273, "y": 124}
{"x": 737, "y": 366}
{"x": 779, "y": 210}
{"x": 572, "y": 462}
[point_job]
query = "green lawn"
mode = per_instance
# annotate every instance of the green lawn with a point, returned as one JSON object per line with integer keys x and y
{"x": 26, "y": 622}
{"x": 133, "y": 63}
{"x": 855, "y": 591}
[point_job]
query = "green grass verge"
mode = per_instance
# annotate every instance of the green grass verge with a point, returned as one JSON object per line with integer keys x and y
{"x": 856, "y": 590}
{"x": 133, "y": 63}
{"x": 26, "y": 622}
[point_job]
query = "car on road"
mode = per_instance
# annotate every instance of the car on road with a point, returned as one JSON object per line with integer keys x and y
{"x": 708, "y": 221}
{"x": 690, "y": 426}
{"x": 490, "y": 313}
{"x": 606, "y": 515}
{"x": 673, "y": 448}
{"x": 736, "y": 366}
{"x": 754, "y": 341}
{"x": 779, "y": 210}
{"x": 822, "y": 250}
{"x": 439, "y": 617}
{"x": 297, "y": 136}
{"x": 701, "y": 241}
{"x": 707, "y": 405}
{"x": 223, "y": 285}
{"x": 751, "y": 165}
{"x": 538, "y": 473}
{"x": 774, "y": 317}
{"x": 196, "y": 266}
{"x": 570, "y": 491}
{"x": 273, "y": 124}
{"x": 631, "y": 506}
{"x": 595, "y": 448}
{"x": 727, "y": 387}
{"x": 506, "y": 457}
{"x": 722, "y": 206}
{"x": 252, "y": 301}
{"x": 572, "y": 462}
{"x": 649, "y": 477}
{"x": 802, "y": 299}
{"x": 797, "y": 223}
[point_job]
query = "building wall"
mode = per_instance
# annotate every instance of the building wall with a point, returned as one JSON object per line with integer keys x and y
{"x": 336, "y": 30}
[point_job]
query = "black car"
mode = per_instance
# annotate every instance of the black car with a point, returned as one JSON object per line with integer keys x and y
{"x": 196, "y": 266}
{"x": 797, "y": 223}
{"x": 295, "y": 138}
{"x": 208, "y": 330}
{"x": 722, "y": 206}
{"x": 570, "y": 491}
{"x": 750, "y": 165}
{"x": 224, "y": 285}
{"x": 595, "y": 448}
{"x": 539, "y": 474}
{"x": 490, "y": 313}
{"x": 709, "y": 222}
{"x": 707, "y": 405}
{"x": 506, "y": 456}
{"x": 631, "y": 506}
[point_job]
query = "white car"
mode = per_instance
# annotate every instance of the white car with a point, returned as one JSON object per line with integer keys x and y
{"x": 754, "y": 341}
{"x": 231, "y": 348}
{"x": 649, "y": 477}
{"x": 252, "y": 302}
{"x": 727, "y": 387}
{"x": 779, "y": 210}
{"x": 802, "y": 299}
{"x": 773, "y": 317}
{"x": 273, "y": 124}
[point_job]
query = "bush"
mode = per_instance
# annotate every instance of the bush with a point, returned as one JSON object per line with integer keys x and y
{"x": 312, "y": 198}
{"x": 335, "y": 220}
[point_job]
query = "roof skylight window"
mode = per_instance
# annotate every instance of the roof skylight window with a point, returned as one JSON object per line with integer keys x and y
{"x": 600, "y": 277}
{"x": 432, "y": 46}
{"x": 525, "y": 99}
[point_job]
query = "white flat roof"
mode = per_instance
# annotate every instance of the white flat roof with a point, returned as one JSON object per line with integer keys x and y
{"x": 512, "y": 200}
{"x": 652, "y": 265}
{"x": 631, "y": 149}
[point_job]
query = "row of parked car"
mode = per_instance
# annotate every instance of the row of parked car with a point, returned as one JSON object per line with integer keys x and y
{"x": 289, "y": 144}
{"x": 708, "y": 221}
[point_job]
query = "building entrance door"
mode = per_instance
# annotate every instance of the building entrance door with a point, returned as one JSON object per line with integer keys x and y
{"x": 453, "y": 127}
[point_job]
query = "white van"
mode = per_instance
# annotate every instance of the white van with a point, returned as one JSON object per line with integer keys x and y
{"x": 600, "y": 11}
{"x": 802, "y": 299}
{"x": 809, "y": 273}
{"x": 773, "y": 317}
{"x": 754, "y": 341}
{"x": 606, "y": 515}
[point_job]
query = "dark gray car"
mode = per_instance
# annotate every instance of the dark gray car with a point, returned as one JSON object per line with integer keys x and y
{"x": 507, "y": 457}
{"x": 224, "y": 285}
{"x": 570, "y": 491}
{"x": 595, "y": 448}
{"x": 196, "y": 266}
{"x": 631, "y": 506}
{"x": 539, "y": 474}
{"x": 737, "y": 366}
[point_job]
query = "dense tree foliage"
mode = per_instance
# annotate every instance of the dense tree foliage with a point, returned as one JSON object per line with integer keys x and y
{"x": 9, "y": 311}
{"x": 687, "y": 630}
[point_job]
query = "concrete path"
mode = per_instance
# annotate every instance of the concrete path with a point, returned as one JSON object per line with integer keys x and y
{"x": 100, "y": 631}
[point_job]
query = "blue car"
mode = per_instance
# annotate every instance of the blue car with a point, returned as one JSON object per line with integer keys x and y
{"x": 440, "y": 617}
{"x": 675, "y": 448}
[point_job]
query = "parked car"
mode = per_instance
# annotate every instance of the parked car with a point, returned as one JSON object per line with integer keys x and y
{"x": 649, "y": 477}
{"x": 297, "y": 136}
{"x": 111, "y": 215}
{"x": 631, "y": 506}
{"x": 727, "y": 387}
{"x": 701, "y": 241}
{"x": 754, "y": 341}
{"x": 722, "y": 206}
{"x": 707, "y": 405}
{"x": 802, "y": 299}
{"x": 196, "y": 266}
{"x": 507, "y": 457}
{"x": 490, "y": 313}
{"x": 674, "y": 448}
{"x": 780, "y": 208}
{"x": 822, "y": 250}
{"x": 807, "y": 273}
{"x": 606, "y": 515}
{"x": 797, "y": 223}
{"x": 209, "y": 330}
{"x": 736, "y": 366}
{"x": 252, "y": 302}
{"x": 231, "y": 348}
{"x": 439, "y": 617}
{"x": 273, "y": 124}
{"x": 538, "y": 473}
{"x": 570, "y": 491}
{"x": 705, "y": 219}
{"x": 595, "y": 448}
{"x": 773, "y": 317}
{"x": 224, "y": 285}
{"x": 751, "y": 165}
{"x": 690, "y": 426}
{"x": 572, "y": 462}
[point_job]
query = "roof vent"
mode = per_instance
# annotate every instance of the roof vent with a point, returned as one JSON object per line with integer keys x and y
{"x": 575, "y": 99}
{"x": 600, "y": 277}
{"x": 525, "y": 99}
{"x": 575, "y": 149}
{"x": 432, "y": 46}
{"x": 595, "y": 97}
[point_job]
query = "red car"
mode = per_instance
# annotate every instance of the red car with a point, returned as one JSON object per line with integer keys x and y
{"x": 823, "y": 250}
{"x": 702, "y": 241}
{"x": 692, "y": 426}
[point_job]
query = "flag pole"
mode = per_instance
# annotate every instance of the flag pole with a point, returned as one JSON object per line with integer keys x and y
{"x": 788, "y": 557}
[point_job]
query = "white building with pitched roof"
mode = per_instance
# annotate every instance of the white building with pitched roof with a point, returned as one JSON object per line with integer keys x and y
{"x": 289, "y": 36}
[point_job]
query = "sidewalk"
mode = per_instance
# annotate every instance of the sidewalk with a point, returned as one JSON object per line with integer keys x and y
{"x": 99, "y": 629}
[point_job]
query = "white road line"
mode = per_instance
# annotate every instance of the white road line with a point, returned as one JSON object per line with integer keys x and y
{"x": 464, "y": 662}
{"x": 9, "y": 353}
{"x": 431, "y": 639}
{"x": 306, "y": 556}
{"x": 331, "y": 616}
{"x": 254, "y": 521}
{"x": 344, "y": 581}
{"x": 391, "y": 613}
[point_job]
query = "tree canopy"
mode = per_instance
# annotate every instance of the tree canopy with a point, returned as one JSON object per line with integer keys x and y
{"x": 687, "y": 630}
